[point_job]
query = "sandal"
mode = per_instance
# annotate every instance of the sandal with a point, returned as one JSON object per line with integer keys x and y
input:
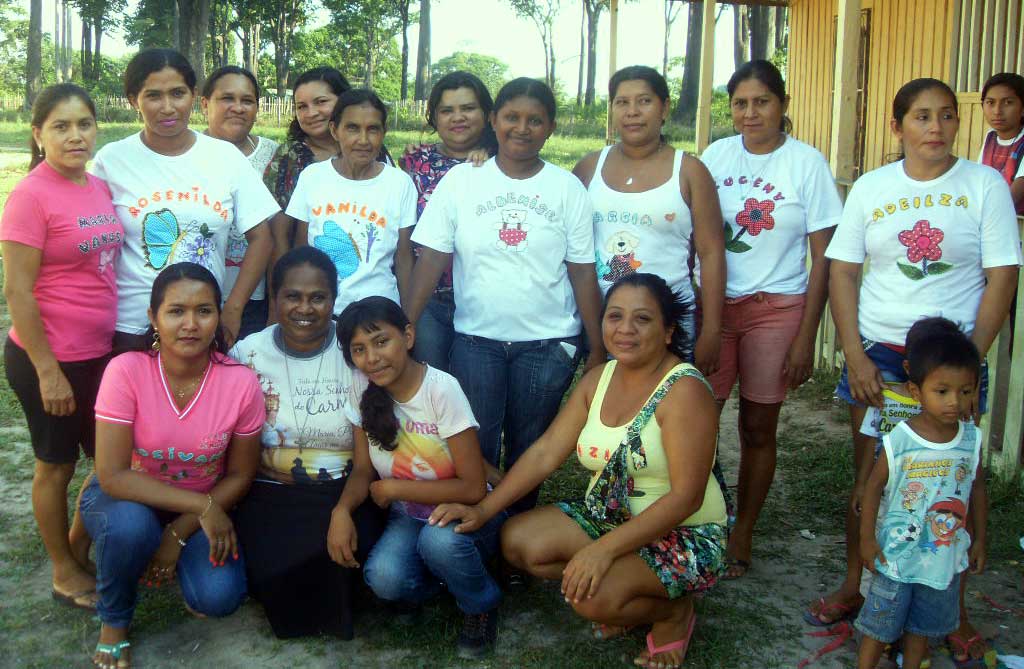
{"x": 85, "y": 600}
{"x": 681, "y": 645}
{"x": 114, "y": 650}
{"x": 735, "y": 568}
{"x": 957, "y": 646}
{"x": 843, "y": 611}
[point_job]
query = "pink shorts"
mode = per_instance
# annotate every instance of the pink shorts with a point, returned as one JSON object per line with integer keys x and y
{"x": 757, "y": 331}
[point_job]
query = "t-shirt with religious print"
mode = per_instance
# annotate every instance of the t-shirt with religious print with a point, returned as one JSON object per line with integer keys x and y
{"x": 307, "y": 435}
{"x": 176, "y": 209}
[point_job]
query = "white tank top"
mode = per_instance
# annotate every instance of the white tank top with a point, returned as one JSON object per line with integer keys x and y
{"x": 642, "y": 232}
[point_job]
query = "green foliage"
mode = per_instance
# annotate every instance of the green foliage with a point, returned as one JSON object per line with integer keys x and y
{"x": 152, "y": 24}
{"x": 492, "y": 71}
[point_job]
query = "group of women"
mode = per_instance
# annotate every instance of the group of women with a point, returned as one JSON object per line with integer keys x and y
{"x": 327, "y": 360}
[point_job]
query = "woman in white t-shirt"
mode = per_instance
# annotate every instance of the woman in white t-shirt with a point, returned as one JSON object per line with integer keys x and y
{"x": 178, "y": 193}
{"x": 358, "y": 211}
{"x": 1002, "y": 100}
{"x": 941, "y": 238}
{"x": 521, "y": 234}
{"x": 777, "y": 196}
{"x": 231, "y": 100}
{"x": 649, "y": 201}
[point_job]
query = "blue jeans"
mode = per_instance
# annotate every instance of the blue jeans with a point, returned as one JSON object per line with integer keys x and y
{"x": 126, "y": 535}
{"x": 409, "y": 558}
{"x": 435, "y": 331}
{"x": 515, "y": 388}
{"x": 892, "y": 609}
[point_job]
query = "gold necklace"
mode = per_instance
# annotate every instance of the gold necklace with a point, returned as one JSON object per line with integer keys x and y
{"x": 190, "y": 388}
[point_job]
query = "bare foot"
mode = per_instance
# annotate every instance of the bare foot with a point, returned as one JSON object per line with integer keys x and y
{"x": 675, "y": 633}
{"x": 837, "y": 606}
{"x": 603, "y": 632}
{"x": 80, "y": 551}
{"x": 112, "y": 651}
{"x": 74, "y": 586}
{"x": 966, "y": 643}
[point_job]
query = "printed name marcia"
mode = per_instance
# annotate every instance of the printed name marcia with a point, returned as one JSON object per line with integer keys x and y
{"x": 172, "y": 195}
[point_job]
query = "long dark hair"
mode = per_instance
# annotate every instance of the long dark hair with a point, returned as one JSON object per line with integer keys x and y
{"x": 148, "y": 61}
{"x": 671, "y": 305}
{"x": 770, "y": 77}
{"x": 463, "y": 79}
{"x": 184, "y": 271}
{"x": 376, "y": 407}
{"x": 334, "y": 79}
{"x": 44, "y": 105}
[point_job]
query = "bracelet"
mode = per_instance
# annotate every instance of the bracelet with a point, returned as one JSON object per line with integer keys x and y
{"x": 209, "y": 504}
{"x": 176, "y": 537}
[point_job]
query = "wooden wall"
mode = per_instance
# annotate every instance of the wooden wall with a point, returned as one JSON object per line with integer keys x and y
{"x": 908, "y": 39}
{"x": 972, "y": 126}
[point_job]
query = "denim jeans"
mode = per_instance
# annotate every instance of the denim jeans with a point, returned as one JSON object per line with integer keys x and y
{"x": 126, "y": 535}
{"x": 435, "y": 331}
{"x": 515, "y": 388}
{"x": 411, "y": 556}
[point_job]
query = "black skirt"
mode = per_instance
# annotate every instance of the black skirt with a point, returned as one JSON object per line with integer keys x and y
{"x": 283, "y": 530}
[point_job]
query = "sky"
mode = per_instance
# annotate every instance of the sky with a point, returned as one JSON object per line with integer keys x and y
{"x": 472, "y": 25}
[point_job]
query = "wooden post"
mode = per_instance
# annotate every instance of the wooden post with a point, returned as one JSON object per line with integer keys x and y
{"x": 844, "y": 96}
{"x": 1009, "y": 464}
{"x": 707, "y": 69}
{"x": 613, "y": 15}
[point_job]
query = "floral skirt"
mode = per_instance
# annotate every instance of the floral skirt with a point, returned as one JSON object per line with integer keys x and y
{"x": 687, "y": 560}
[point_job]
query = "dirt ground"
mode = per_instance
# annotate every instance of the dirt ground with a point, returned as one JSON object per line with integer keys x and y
{"x": 789, "y": 570}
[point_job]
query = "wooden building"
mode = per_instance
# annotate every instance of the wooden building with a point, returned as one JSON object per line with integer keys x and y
{"x": 847, "y": 59}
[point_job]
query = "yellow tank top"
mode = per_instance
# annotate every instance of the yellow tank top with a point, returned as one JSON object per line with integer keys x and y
{"x": 597, "y": 442}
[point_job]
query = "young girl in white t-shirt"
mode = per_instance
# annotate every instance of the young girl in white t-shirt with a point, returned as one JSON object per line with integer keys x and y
{"x": 416, "y": 431}
{"x": 942, "y": 240}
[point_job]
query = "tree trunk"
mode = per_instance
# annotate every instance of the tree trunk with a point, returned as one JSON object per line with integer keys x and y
{"x": 97, "y": 60}
{"x": 770, "y": 28}
{"x": 759, "y": 33}
{"x": 404, "y": 95}
{"x": 422, "y": 87}
{"x": 34, "y": 64}
{"x": 593, "y": 15}
{"x": 67, "y": 41}
{"x": 176, "y": 30}
{"x": 583, "y": 46}
{"x": 781, "y": 34}
{"x": 86, "y": 48}
{"x": 551, "y": 52}
{"x": 686, "y": 108}
{"x": 371, "y": 46}
{"x": 741, "y": 34}
{"x": 57, "y": 51}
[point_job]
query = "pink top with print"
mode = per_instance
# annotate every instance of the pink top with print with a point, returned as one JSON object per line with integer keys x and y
{"x": 80, "y": 238}
{"x": 183, "y": 448}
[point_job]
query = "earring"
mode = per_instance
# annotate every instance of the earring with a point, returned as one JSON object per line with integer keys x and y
{"x": 156, "y": 341}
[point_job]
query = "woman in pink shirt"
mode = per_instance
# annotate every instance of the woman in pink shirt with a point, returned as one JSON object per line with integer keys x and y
{"x": 178, "y": 428}
{"x": 59, "y": 237}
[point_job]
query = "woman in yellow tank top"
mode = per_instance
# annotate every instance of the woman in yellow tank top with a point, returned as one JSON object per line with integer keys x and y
{"x": 651, "y": 530}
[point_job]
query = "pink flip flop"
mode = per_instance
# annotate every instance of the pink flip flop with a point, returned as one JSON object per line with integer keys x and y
{"x": 682, "y": 644}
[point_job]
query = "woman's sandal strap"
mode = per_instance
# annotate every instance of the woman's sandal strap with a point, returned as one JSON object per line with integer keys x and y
{"x": 113, "y": 649}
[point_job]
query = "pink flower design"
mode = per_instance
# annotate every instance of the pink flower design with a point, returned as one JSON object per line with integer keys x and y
{"x": 922, "y": 242}
{"x": 756, "y": 216}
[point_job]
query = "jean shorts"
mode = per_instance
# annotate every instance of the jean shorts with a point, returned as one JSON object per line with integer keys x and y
{"x": 893, "y": 609}
{"x": 890, "y": 364}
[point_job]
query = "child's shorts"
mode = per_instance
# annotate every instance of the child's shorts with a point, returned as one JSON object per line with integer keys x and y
{"x": 892, "y": 608}
{"x": 890, "y": 364}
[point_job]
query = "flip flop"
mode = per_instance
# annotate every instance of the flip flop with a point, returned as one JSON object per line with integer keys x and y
{"x": 957, "y": 646}
{"x": 845, "y": 611}
{"x": 680, "y": 645}
{"x": 741, "y": 567}
{"x": 114, "y": 650}
{"x": 75, "y": 600}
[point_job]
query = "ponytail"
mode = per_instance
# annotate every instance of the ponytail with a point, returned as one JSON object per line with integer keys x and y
{"x": 377, "y": 411}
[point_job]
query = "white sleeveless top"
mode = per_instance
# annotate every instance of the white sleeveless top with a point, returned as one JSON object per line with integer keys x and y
{"x": 642, "y": 232}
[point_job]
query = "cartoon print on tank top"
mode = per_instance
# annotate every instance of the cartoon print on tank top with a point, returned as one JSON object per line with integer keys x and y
{"x": 621, "y": 248}
{"x": 922, "y": 242}
{"x": 164, "y": 242}
{"x": 512, "y": 230}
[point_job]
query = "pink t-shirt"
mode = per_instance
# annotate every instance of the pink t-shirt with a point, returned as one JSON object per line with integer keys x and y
{"x": 80, "y": 237}
{"x": 183, "y": 448}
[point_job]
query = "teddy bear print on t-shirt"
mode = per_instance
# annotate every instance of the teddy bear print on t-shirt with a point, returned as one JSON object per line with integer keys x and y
{"x": 512, "y": 230}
